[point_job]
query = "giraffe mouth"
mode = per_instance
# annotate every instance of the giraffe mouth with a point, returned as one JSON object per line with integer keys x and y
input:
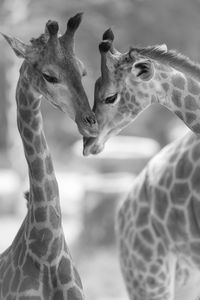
{"x": 91, "y": 146}
{"x": 87, "y": 125}
{"x": 88, "y": 133}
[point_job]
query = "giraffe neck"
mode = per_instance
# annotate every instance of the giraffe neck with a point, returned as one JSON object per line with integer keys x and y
{"x": 181, "y": 97}
{"x": 176, "y": 91}
{"x": 44, "y": 215}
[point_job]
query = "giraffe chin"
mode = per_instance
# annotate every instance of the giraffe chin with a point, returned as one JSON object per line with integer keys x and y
{"x": 88, "y": 132}
{"x": 91, "y": 146}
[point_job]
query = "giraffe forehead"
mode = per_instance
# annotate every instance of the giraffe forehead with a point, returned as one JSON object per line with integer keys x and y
{"x": 118, "y": 77}
{"x": 53, "y": 63}
{"x": 53, "y": 53}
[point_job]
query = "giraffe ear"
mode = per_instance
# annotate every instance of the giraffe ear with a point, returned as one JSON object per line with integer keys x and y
{"x": 143, "y": 69}
{"x": 18, "y": 47}
{"x": 81, "y": 67}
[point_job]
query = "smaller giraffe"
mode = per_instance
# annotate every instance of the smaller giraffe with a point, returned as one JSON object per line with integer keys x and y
{"x": 130, "y": 82}
{"x": 38, "y": 265}
{"x": 158, "y": 229}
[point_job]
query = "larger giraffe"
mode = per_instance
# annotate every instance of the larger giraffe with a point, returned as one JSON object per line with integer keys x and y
{"x": 158, "y": 227}
{"x": 38, "y": 265}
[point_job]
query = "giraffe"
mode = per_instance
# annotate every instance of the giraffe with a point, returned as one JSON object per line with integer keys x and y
{"x": 38, "y": 264}
{"x": 157, "y": 225}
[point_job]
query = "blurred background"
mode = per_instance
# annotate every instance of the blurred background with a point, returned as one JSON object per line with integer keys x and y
{"x": 91, "y": 188}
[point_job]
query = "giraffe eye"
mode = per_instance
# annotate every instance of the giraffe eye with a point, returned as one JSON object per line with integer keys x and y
{"x": 111, "y": 99}
{"x": 49, "y": 78}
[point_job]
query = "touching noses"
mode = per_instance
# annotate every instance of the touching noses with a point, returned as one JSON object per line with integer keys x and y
{"x": 87, "y": 124}
{"x": 90, "y": 119}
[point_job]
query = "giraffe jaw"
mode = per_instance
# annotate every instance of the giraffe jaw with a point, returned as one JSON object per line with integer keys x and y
{"x": 86, "y": 132}
{"x": 91, "y": 146}
{"x": 95, "y": 145}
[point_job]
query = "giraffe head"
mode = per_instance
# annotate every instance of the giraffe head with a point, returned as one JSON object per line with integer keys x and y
{"x": 119, "y": 95}
{"x": 53, "y": 71}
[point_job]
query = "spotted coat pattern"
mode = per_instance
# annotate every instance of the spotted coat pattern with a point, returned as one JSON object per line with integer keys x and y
{"x": 158, "y": 227}
{"x": 158, "y": 224}
{"x": 38, "y": 265}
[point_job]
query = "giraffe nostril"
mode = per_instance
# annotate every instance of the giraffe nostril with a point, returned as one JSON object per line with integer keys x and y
{"x": 90, "y": 119}
{"x": 88, "y": 125}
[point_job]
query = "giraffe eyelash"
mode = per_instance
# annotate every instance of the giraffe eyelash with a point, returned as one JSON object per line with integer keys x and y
{"x": 49, "y": 78}
{"x": 111, "y": 99}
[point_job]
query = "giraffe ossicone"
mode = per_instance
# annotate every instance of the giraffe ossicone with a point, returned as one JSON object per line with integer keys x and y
{"x": 38, "y": 264}
{"x": 158, "y": 228}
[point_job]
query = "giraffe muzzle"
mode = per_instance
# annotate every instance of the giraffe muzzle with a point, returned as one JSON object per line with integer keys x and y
{"x": 91, "y": 146}
{"x": 89, "y": 119}
{"x": 87, "y": 125}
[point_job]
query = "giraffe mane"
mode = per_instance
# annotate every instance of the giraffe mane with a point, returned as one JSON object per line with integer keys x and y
{"x": 171, "y": 58}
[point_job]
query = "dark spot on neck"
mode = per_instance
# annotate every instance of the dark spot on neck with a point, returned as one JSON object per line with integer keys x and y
{"x": 41, "y": 214}
{"x": 190, "y": 117}
{"x": 177, "y": 98}
{"x": 65, "y": 271}
{"x": 193, "y": 87}
{"x": 39, "y": 241}
{"x": 178, "y": 81}
{"x": 28, "y": 134}
{"x": 165, "y": 86}
{"x": 25, "y": 115}
{"x": 191, "y": 103}
{"x": 164, "y": 75}
{"x": 196, "y": 128}
{"x": 38, "y": 194}
{"x": 37, "y": 169}
{"x": 55, "y": 217}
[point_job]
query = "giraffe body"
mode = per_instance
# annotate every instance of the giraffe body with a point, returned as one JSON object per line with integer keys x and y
{"x": 158, "y": 224}
{"x": 38, "y": 265}
{"x": 158, "y": 229}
